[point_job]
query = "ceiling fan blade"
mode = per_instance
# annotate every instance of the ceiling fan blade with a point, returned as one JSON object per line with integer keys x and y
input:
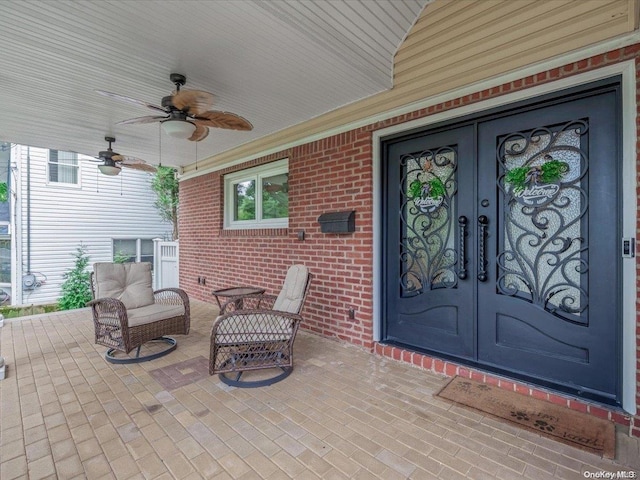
{"x": 136, "y": 164}
{"x": 128, "y": 161}
{"x": 218, "y": 119}
{"x": 200, "y": 133}
{"x": 130, "y": 100}
{"x": 143, "y": 167}
{"x": 273, "y": 188}
{"x": 192, "y": 101}
{"x": 146, "y": 119}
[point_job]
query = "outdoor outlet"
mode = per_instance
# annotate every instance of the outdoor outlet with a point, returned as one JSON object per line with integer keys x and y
{"x": 352, "y": 314}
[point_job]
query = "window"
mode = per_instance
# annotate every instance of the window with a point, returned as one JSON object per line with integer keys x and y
{"x": 258, "y": 197}
{"x": 5, "y": 259}
{"x": 133, "y": 250}
{"x": 63, "y": 167}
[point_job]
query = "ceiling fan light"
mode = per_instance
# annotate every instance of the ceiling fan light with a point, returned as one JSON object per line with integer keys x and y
{"x": 178, "y": 128}
{"x": 109, "y": 170}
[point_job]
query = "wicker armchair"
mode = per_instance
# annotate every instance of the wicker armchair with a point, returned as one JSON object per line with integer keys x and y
{"x": 258, "y": 332}
{"x": 127, "y": 313}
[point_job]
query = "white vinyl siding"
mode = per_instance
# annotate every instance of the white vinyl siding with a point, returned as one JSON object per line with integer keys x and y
{"x": 91, "y": 214}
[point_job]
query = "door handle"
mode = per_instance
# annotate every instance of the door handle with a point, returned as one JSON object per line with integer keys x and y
{"x": 483, "y": 222}
{"x": 462, "y": 225}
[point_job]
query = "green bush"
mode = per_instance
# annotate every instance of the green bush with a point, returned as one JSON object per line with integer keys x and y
{"x": 4, "y": 192}
{"x": 76, "y": 289}
{"x": 120, "y": 257}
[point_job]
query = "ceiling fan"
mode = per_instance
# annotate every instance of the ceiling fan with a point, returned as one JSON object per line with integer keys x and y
{"x": 113, "y": 162}
{"x": 186, "y": 113}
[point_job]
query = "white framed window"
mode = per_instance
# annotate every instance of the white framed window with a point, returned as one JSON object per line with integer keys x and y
{"x": 127, "y": 250}
{"x": 5, "y": 261}
{"x": 257, "y": 197}
{"x": 63, "y": 168}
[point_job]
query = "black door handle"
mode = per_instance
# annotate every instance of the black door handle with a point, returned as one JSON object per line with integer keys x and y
{"x": 462, "y": 224}
{"x": 483, "y": 222}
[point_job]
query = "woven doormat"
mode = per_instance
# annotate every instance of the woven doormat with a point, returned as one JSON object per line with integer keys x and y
{"x": 574, "y": 428}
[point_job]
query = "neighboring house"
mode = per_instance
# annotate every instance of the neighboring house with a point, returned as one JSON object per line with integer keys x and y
{"x": 524, "y": 283}
{"x": 60, "y": 201}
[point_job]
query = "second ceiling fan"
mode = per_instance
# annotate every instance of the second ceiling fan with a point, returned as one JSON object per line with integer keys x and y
{"x": 112, "y": 162}
{"x": 186, "y": 113}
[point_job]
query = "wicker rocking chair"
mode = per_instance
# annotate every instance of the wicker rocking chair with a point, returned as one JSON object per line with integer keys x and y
{"x": 258, "y": 332}
{"x": 127, "y": 313}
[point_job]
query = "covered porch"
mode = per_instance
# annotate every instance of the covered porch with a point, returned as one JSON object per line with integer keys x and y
{"x": 343, "y": 413}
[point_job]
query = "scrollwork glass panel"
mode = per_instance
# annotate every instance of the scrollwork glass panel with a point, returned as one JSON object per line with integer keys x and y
{"x": 542, "y": 258}
{"x": 428, "y": 196}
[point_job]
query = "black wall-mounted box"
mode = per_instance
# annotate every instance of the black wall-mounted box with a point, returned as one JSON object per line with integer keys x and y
{"x": 338, "y": 222}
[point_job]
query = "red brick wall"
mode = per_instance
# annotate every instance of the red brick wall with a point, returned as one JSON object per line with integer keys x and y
{"x": 334, "y": 174}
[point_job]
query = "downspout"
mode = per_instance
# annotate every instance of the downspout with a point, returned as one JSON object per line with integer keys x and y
{"x": 28, "y": 210}
{"x": 29, "y": 281}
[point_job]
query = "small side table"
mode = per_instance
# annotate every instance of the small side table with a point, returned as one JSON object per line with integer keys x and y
{"x": 236, "y": 292}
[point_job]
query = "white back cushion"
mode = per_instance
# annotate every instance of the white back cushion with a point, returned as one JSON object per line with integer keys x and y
{"x": 290, "y": 298}
{"x": 128, "y": 282}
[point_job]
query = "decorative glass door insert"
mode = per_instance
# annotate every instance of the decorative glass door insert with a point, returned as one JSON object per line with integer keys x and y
{"x": 544, "y": 254}
{"x": 428, "y": 210}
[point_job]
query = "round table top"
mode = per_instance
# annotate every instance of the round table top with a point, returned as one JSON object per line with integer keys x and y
{"x": 238, "y": 291}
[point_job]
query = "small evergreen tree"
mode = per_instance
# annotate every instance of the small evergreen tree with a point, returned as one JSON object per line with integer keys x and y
{"x": 4, "y": 193}
{"x": 165, "y": 185}
{"x": 76, "y": 289}
{"x": 120, "y": 257}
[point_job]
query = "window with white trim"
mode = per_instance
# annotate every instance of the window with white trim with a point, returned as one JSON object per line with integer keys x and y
{"x": 5, "y": 261}
{"x": 127, "y": 250}
{"x": 257, "y": 197}
{"x": 63, "y": 167}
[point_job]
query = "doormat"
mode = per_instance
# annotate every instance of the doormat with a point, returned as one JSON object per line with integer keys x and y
{"x": 577, "y": 429}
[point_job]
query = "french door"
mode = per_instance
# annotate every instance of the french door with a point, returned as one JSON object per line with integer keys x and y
{"x": 502, "y": 238}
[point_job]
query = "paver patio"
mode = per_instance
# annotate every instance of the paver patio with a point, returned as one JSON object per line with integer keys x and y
{"x": 343, "y": 413}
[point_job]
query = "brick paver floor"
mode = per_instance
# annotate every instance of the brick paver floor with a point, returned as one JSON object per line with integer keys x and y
{"x": 342, "y": 414}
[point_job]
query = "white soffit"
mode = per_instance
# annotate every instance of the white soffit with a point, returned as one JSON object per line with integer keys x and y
{"x": 277, "y": 63}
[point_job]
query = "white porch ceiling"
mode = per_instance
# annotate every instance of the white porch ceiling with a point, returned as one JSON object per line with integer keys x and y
{"x": 277, "y": 63}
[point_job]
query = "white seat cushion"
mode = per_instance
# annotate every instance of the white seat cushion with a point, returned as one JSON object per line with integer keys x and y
{"x": 292, "y": 294}
{"x": 128, "y": 282}
{"x": 153, "y": 313}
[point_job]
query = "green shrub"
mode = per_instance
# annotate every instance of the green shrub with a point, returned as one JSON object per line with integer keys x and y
{"x": 120, "y": 257}
{"x": 76, "y": 289}
{"x": 4, "y": 192}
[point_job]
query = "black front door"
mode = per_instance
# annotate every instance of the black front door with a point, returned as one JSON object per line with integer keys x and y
{"x": 502, "y": 242}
